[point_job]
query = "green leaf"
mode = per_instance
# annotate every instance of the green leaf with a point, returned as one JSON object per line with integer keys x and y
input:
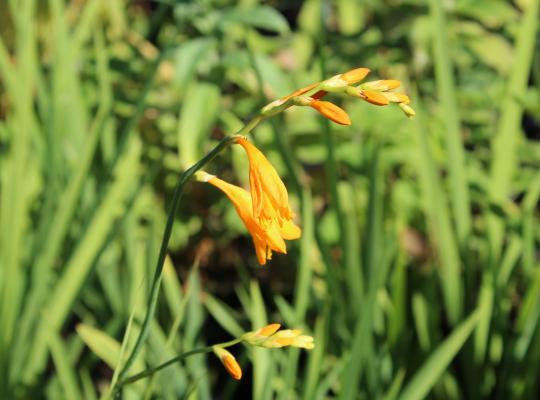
{"x": 263, "y": 17}
{"x": 199, "y": 112}
{"x": 102, "y": 345}
{"x": 429, "y": 373}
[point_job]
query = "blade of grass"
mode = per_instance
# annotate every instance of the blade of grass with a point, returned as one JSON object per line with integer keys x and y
{"x": 64, "y": 367}
{"x": 439, "y": 221}
{"x": 262, "y": 365}
{"x": 15, "y": 210}
{"x": 83, "y": 257}
{"x": 505, "y": 143}
{"x": 459, "y": 192}
{"x": 67, "y": 203}
{"x": 429, "y": 373}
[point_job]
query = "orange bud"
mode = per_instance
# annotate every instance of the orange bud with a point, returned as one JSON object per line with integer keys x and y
{"x": 331, "y": 111}
{"x": 269, "y": 330}
{"x": 375, "y": 98}
{"x": 232, "y": 367}
{"x": 229, "y": 362}
{"x": 397, "y": 98}
{"x": 354, "y": 75}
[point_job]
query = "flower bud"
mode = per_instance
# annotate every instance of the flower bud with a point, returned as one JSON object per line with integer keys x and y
{"x": 331, "y": 111}
{"x": 289, "y": 337}
{"x": 260, "y": 335}
{"x": 397, "y": 98}
{"x": 229, "y": 362}
{"x": 382, "y": 85}
{"x": 407, "y": 110}
{"x": 374, "y": 97}
{"x": 354, "y": 75}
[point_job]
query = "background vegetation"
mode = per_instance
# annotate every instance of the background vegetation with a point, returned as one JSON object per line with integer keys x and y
{"x": 418, "y": 271}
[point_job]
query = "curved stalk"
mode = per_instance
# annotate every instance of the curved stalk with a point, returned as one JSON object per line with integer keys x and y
{"x": 156, "y": 281}
{"x": 180, "y": 357}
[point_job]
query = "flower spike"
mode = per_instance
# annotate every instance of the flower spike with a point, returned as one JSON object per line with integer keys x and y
{"x": 375, "y": 92}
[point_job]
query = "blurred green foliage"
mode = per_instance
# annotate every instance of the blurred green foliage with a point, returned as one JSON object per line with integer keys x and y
{"x": 418, "y": 271}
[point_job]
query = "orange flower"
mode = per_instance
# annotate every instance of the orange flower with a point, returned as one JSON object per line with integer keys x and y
{"x": 265, "y": 238}
{"x": 229, "y": 362}
{"x": 269, "y": 194}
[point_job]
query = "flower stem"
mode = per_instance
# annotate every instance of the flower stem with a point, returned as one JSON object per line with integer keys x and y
{"x": 156, "y": 281}
{"x": 180, "y": 357}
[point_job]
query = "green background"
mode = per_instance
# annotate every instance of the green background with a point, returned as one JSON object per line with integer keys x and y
{"x": 418, "y": 272}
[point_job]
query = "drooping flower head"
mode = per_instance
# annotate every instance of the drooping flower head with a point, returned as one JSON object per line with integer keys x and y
{"x": 268, "y": 193}
{"x": 265, "y": 211}
{"x": 265, "y": 238}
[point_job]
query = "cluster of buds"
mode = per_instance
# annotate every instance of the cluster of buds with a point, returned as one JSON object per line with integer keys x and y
{"x": 269, "y": 337}
{"x": 375, "y": 92}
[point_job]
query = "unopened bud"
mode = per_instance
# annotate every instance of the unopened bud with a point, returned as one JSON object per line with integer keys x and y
{"x": 374, "y": 97}
{"x": 407, "y": 110}
{"x": 260, "y": 335}
{"x": 228, "y": 361}
{"x": 382, "y": 85}
{"x": 331, "y": 111}
{"x": 355, "y": 75}
{"x": 397, "y": 98}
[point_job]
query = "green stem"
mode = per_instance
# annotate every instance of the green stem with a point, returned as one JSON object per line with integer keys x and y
{"x": 151, "y": 371}
{"x": 154, "y": 291}
{"x": 156, "y": 281}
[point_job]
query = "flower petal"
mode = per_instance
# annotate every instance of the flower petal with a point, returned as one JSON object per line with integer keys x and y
{"x": 331, "y": 111}
{"x": 355, "y": 75}
{"x": 376, "y": 98}
{"x": 290, "y": 231}
{"x": 384, "y": 85}
{"x": 268, "y": 191}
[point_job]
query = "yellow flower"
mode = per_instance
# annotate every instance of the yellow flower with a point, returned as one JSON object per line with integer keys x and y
{"x": 228, "y": 361}
{"x": 271, "y": 337}
{"x": 265, "y": 238}
{"x": 269, "y": 195}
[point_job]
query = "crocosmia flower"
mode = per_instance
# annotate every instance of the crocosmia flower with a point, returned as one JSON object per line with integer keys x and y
{"x": 269, "y": 194}
{"x": 267, "y": 237}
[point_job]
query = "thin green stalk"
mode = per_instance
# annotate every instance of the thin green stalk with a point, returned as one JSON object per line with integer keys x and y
{"x": 447, "y": 96}
{"x": 507, "y": 140}
{"x": 156, "y": 281}
{"x": 151, "y": 371}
